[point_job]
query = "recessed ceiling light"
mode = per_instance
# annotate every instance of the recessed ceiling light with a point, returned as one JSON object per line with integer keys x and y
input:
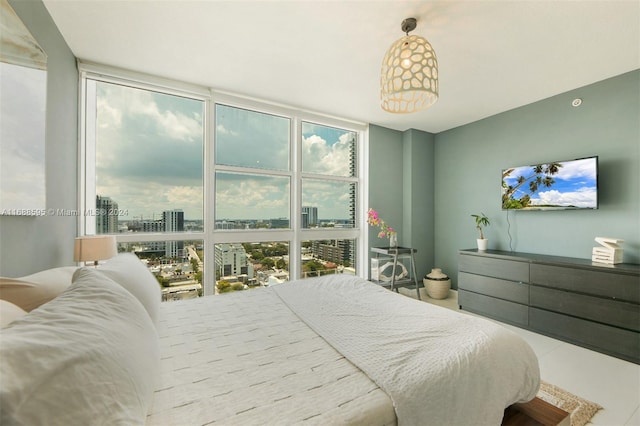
{"x": 576, "y": 102}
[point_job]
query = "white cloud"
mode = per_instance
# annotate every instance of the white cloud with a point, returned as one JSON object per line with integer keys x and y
{"x": 223, "y": 130}
{"x": 109, "y": 115}
{"x": 318, "y": 156}
{"x": 331, "y": 198}
{"x": 584, "y": 197}
{"x": 251, "y": 197}
{"x": 578, "y": 169}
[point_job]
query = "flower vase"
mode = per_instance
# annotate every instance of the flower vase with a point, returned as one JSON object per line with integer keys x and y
{"x": 393, "y": 240}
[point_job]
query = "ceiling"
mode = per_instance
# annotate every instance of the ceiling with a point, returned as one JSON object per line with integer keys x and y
{"x": 325, "y": 56}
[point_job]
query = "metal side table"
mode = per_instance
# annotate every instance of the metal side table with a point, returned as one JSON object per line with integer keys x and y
{"x": 395, "y": 253}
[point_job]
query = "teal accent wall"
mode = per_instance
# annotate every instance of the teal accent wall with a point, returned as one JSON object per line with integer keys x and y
{"x": 418, "y": 197}
{"x": 385, "y": 180}
{"x": 31, "y": 244}
{"x": 449, "y": 176}
{"x": 470, "y": 159}
{"x": 401, "y": 189}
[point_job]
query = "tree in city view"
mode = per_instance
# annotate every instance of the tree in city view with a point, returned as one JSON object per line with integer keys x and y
{"x": 312, "y": 266}
{"x": 225, "y": 286}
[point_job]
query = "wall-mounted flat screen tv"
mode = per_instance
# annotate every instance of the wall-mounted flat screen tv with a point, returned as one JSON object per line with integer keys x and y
{"x": 560, "y": 185}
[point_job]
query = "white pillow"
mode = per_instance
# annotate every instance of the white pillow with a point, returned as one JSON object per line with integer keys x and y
{"x": 128, "y": 271}
{"x": 90, "y": 356}
{"x": 33, "y": 290}
{"x": 9, "y": 313}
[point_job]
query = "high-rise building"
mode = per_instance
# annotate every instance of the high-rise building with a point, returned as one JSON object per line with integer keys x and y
{"x": 232, "y": 260}
{"x": 309, "y": 216}
{"x": 352, "y": 190}
{"x": 156, "y": 225}
{"x": 350, "y": 248}
{"x": 337, "y": 251}
{"x": 106, "y": 215}
{"x": 173, "y": 222}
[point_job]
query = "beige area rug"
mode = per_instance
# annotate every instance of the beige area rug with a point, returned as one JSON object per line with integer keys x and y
{"x": 580, "y": 409}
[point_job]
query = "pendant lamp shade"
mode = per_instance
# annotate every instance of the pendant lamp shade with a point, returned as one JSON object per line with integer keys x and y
{"x": 409, "y": 75}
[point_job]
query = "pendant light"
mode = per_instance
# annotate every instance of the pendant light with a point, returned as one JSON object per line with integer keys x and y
{"x": 409, "y": 77}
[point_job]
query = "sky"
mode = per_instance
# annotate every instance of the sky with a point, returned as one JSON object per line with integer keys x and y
{"x": 22, "y": 136}
{"x": 149, "y": 158}
{"x": 149, "y": 151}
{"x": 575, "y": 185}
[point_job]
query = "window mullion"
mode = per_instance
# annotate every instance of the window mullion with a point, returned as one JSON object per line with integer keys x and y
{"x": 295, "y": 266}
{"x": 87, "y": 150}
{"x": 208, "y": 278}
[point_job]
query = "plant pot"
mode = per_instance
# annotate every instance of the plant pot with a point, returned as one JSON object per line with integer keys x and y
{"x": 437, "y": 284}
{"x": 482, "y": 244}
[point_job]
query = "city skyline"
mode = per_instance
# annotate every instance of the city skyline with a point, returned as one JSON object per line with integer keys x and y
{"x": 108, "y": 222}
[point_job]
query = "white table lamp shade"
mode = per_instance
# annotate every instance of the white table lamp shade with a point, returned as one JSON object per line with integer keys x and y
{"x": 94, "y": 248}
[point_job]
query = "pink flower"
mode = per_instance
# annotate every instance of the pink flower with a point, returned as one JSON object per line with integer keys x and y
{"x": 374, "y": 220}
{"x": 372, "y": 217}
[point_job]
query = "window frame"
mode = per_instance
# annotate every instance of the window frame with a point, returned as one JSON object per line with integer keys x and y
{"x": 294, "y": 235}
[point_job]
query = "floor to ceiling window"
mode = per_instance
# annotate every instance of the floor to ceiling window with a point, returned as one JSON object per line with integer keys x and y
{"x": 217, "y": 193}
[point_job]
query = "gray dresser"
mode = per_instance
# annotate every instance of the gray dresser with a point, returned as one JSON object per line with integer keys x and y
{"x": 575, "y": 300}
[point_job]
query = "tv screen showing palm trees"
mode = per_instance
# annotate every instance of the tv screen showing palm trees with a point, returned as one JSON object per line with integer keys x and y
{"x": 560, "y": 185}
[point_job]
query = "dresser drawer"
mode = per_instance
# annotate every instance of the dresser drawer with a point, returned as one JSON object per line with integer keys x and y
{"x": 606, "y": 311}
{"x": 496, "y": 287}
{"x": 614, "y": 341}
{"x": 606, "y": 283}
{"x": 502, "y": 310}
{"x": 497, "y": 268}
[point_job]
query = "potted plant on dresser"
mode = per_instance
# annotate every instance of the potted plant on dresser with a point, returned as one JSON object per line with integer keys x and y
{"x": 481, "y": 221}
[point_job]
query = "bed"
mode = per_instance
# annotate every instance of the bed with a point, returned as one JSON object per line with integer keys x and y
{"x": 330, "y": 350}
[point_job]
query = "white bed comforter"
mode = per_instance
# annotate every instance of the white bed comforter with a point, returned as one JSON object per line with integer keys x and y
{"x": 438, "y": 366}
{"x": 245, "y": 358}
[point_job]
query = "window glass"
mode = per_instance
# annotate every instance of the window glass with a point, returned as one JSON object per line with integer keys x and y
{"x": 325, "y": 257}
{"x": 243, "y": 266}
{"x": 328, "y": 150}
{"x": 251, "y": 201}
{"x": 148, "y": 160}
{"x": 327, "y": 203}
{"x": 143, "y": 171}
{"x": 177, "y": 265}
{"x": 251, "y": 139}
